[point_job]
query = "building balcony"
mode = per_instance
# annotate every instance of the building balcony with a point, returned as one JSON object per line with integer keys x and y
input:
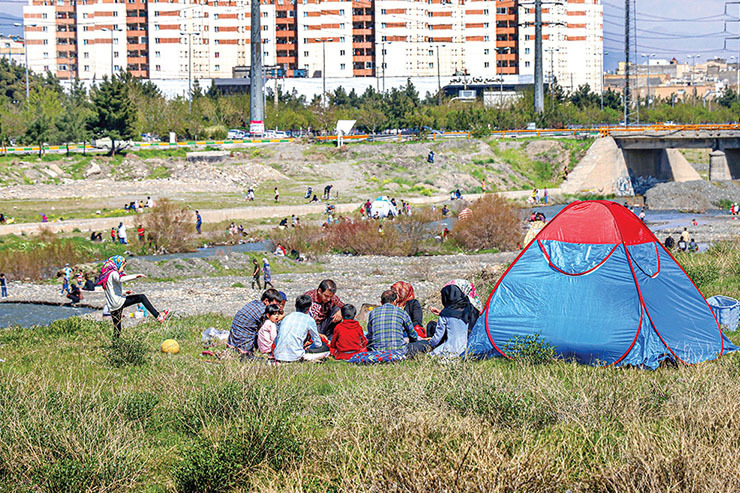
{"x": 362, "y": 32}
{"x": 505, "y": 30}
{"x": 285, "y": 46}
{"x": 364, "y": 44}
{"x": 136, "y": 60}
{"x": 362, "y": 58}
{"x": 363, "y": 72}
{"x": 285, "y": 59}
{"x": 362, "y": 18}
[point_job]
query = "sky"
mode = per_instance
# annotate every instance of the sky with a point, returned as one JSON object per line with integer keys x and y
{"x": 666, "y": 28}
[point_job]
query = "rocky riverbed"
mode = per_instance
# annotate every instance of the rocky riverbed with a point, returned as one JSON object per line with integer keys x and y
{"x": 360, "y": 280}
{"x": 692, "y": 196}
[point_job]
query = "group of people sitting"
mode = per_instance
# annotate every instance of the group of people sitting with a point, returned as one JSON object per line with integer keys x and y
{"x": 685, "y": 242}
{"x": 138, "y": 205}
{"x": 322, "y": 326}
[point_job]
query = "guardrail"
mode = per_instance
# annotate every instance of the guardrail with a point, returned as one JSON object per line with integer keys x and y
{"x": 140, "y": 145}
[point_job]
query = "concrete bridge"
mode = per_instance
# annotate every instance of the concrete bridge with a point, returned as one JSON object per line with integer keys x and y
{"x": 613, "y": 161}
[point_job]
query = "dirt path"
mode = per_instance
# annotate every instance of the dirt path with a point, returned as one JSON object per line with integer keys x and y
{"x": 219, "y": 215}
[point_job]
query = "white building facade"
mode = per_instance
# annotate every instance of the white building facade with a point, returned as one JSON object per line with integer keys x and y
{"x": 335, "y": 39}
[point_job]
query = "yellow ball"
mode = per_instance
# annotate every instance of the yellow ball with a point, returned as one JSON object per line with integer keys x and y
{"x": 170, "y": 346}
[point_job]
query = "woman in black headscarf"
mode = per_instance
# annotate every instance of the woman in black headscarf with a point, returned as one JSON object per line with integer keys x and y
{"x": 456, "y": 320}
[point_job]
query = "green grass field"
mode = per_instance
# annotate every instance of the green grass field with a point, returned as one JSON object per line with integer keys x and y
{"x": 78, "y": 414}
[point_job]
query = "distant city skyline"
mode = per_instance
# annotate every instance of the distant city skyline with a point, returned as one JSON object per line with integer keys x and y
{"x": 664, "y": 27}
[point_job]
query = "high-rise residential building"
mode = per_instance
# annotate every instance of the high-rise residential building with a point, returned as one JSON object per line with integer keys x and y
{"x": 158, "y": 39}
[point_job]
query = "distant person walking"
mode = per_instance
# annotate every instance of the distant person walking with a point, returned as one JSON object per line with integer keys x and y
{"x": 198, "y": 221}
{"x": 267, "y": 273}
{"x": 256, "y": 274}
{"x": 122, "y": 235}
{"x": 66, "y": 276}
{"x": 544, "y": 196}
{"x": 111, "y": 278}
{"x": 3, "y": 286}
{"x": 113, "y": 235}
{"x": 277, "y": 195}
{"x": 140, "y": 233}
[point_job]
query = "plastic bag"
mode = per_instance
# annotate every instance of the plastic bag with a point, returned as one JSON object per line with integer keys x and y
{"x": 212, "y": 334}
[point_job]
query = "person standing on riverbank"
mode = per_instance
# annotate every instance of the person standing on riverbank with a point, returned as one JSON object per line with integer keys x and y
{"x": 277, "y": 195}
{"x": 66, "y": 276}
{"x": 3, "y": 286}
{"x": 198, "y": 221}
{"x": 112, "y": 278}
{"x": 266, "y": 273}
{"x": 122, "y": 235}
{"x": 256, "y": 274}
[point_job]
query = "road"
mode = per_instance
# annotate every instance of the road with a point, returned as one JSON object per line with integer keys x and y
{"x": 237, "y": 213}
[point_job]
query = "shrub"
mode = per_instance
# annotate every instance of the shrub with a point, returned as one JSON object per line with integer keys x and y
{"x": 224, "y": 463}
{"x": 532, "y": 349}
{"x": 494, "y": 223}
{"x": 138, "y": 406}
{"x": 170, "y": 227}
{"x": 128, "y": 350}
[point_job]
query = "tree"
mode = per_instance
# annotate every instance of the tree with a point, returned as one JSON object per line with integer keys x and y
{"x": 41, "y": 113}
{"x": 727, "y": 98}
{"x": 114, "y": 114}
{"x": 72, "y": 125}
{"x": 371, "y": 118}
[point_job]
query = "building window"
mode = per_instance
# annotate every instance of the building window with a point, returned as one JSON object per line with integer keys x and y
{"x": 156, "y": 41}
{"x": 341, "y": 40}
{"x": 342, "y": 66}
{"x": 486, "y": 38}
{"x": 86, "y": 54}
{"x": 115, "y": 41}
{"x": 264, "y": 14}
{"x": 305, "y": 14}
{"x": 431, "y": 64}
{"x": 341, "y": 11}
{"x": 485, "y": 64}
{"x": 305, "y": 27}
{"x": 485, "y": 11}
{"x": 527, "y": 37}
{"x": 157, "y": 54}
{"x": 526, "y": 51}
{"x": 341, "y": 25}
{"x": 383, "y": 25}
{"x": 217, "y": 42}
{"x": 215, "y": 29}
{"x": 265, "y": 54}
{"x": 84, "y": 28}
{"x": 341, "y": 52}
{"x": 431, "y": 52}
{"x": 86, "y": 68}
{"x": 215, "y": 16}
{"x": 368, "y": 64}
{"x": 84, "y": 15}
{"x": 115, "y": 13}
{"x": 500, "y": 10}
{"x": 217, "y": 67}
{"x": 485, "y": 24}
{"x": 158, "y": 68}
{"x": 46, "y": 68}
{"x": 382, "y": 11}
{"x": 156, "y": 13}
{"x": 45, "y": 29}
{"x": 115, "y": 54}
{"x": 216, "y": 54}
{"x": 156, "y": 27}
{"x": 46, "y": 54}
{"x": 44, "y": 16}
{"x": 526, "y": 64}
{"x": 305, "y": 53}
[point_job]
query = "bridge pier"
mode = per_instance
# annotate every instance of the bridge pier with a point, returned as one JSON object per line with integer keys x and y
{"x": 719, "y": 169}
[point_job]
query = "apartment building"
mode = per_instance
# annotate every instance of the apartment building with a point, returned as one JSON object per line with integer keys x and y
{"x": 168, "y": 39}
{"x": 12, "y": 49}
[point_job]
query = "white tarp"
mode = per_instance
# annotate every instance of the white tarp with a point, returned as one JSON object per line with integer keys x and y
{"x": 383, "y": 207}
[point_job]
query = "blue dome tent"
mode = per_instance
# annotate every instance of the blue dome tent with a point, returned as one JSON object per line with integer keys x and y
{"x": 596, "y": 284}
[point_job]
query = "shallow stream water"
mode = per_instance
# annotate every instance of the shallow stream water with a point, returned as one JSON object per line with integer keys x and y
{"x": 30, "y": 314}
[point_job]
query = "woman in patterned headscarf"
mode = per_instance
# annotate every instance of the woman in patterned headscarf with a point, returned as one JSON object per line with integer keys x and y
{"x": 111, "y": 278}
{"x": 406, "y": 300}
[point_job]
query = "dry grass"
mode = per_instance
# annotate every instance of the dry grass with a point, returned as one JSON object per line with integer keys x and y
{"x": 401, "y": 236}
{"x": 170, "y": 227}
{"x": 494, "y": 223}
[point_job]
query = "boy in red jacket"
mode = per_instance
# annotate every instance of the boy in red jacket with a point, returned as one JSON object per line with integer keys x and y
{"x": 349, "y": 338}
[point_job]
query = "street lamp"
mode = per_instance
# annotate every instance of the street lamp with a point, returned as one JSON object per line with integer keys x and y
{"x": 112, "y": 30}
{"x": 382, "y": 54}
{"x": 648, "y": 56}
{"x": 323, "y": 67}
{"x": 25, "y": 51}
{"x": 603, "y": 54}
{"x": 552, "y": 52}
{"x": 439, "y": 77}
{"x": 190, "y": 65}
{"x": 503, "y": 49}
{"x": 693, "y": 64}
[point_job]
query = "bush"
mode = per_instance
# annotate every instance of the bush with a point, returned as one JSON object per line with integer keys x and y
{"x": 224, "y": 463}
{"x": 138, "y": 406}
{"x": 169, "y": 227}
{"x": 532, "y": 349}
{"x": 494, "y": 223}
{"x": 128, "y": 350}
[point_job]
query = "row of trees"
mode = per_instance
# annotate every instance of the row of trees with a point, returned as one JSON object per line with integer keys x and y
{"x": 124, "y": 107}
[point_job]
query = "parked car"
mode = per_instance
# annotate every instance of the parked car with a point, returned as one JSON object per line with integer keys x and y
{"x": 235, "y": 133}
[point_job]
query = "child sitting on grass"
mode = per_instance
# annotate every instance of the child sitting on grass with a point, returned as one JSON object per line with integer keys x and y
{"x": 268, "y": 329}
{"x": 349, "y": 338}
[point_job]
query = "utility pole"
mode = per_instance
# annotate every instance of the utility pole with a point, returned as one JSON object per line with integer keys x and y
{"x": 25, "y": 51}
{"x": 256, "y": 107}
{"x": 603, "y": 54}
{"x": 539, "y": 96}
{"x": 190, "y": 34}
{"x": 439, "y": 81}
{"x": 323, "y": 69}
{"x": 550, "y": 85}
{"x": 626, "y": 61}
